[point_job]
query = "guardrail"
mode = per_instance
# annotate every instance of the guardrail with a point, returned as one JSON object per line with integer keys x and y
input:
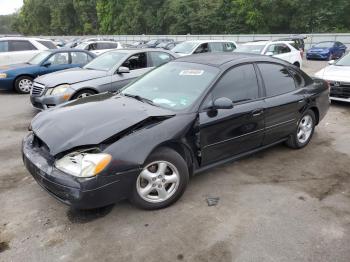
{"x": 311, "y": 38}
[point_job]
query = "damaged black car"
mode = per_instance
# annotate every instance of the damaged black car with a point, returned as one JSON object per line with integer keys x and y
{"x": 189, "y": 115}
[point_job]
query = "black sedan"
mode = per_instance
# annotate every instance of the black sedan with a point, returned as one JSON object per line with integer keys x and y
{"x": 186, "y": 116}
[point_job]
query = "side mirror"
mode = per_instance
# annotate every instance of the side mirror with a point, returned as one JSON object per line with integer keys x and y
{"x": 332, "y": 62}
{"x": 223, "y": 103}
{"x": 123, "y": 70}
{"x": 46, "y": 64}
{"x": 269, "y": 53}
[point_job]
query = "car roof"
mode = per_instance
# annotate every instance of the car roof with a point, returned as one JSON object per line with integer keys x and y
{"x": 209, "y": 41}
{"x": 219, "y": 59}
{"x": 23, "y": 38}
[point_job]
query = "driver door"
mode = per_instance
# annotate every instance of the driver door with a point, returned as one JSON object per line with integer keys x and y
{"x": 58, "y": 61}
{"x": 138, "y": 65}
{"x": 228, "y": 132}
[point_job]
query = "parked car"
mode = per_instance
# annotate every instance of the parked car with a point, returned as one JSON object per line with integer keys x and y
{"x": 108, "y": 72}
{"x": 329, "y": 50}
{"x": 14, "y": 50}
{"x": 154, "y": 42}
{"x": 139, "y": 44}
{"x": 204, "y": 46}
{"x": 19, "y": 77}
{"x": 99, "y": 47}
{"x": 182, "y": 118}
{"x": 279, "y": 49}
{"x": 337, "y": 74}
{"x": 297, "y": 42}
{"x": 168, "y": 46}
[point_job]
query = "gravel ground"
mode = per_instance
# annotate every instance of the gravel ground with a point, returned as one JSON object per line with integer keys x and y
{"x": 277, "y": 205}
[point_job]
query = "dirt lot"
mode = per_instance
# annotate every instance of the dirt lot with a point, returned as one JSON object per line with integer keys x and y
{"x": 278, "y": 205}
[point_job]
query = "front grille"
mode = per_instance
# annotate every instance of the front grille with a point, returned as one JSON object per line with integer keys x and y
{"x": 37, "y": 89}
{"x": 340, "y": 89}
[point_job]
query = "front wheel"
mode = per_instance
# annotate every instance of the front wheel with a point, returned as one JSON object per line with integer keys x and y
{"x": 162, "y": 181}
{"x": 83, "y": 93}
{"x": 303, "y": 134}
{"x": 23, "y": 84}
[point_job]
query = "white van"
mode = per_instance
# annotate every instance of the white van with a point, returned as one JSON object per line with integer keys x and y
{"x": 15, "y": 50}
{"x": 204, "y": 46}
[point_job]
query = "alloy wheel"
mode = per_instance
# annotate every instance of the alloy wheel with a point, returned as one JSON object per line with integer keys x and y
{"x": 305, "y": 129}
{"x": 158, "y": 181}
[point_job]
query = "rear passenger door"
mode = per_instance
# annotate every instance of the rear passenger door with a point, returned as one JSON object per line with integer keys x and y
{"x": 138, "y": 65}
{"x": 284, "y": 100}
{"x": 228, "y": 132}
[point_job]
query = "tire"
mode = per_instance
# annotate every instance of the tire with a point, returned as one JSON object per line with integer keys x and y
{"x": 152, "y": 188}
{"x": 297, "y": 64}
{"x": 83, "y": 93}
{"x": 304, "y": 131}
{"x": 23, "y": 84}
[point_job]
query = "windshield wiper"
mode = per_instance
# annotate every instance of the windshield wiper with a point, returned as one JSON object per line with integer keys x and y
{"x": 139, "y": 98}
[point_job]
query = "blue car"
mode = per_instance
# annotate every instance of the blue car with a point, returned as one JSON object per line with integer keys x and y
{"x": 329, "y": 50}
{"x": 19, "y": 77}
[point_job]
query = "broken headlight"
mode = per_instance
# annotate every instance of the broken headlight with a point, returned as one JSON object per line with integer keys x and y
{"x": 83, "y": 163}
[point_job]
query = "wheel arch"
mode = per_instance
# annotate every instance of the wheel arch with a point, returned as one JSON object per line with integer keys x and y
{"x": 21, "y": 75}
{"x": 83, "y": 89}
{"x": 183, "y": 150}
{"x": 317, "y": 114}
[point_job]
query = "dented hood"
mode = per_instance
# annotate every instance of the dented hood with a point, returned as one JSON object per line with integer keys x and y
{"x": 91, "y": 120}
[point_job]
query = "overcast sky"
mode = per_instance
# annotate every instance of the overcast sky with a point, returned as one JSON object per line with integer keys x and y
{"x": 9, "y": 6}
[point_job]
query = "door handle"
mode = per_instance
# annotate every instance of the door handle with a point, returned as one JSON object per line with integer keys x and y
{"x": 257, "y": 112}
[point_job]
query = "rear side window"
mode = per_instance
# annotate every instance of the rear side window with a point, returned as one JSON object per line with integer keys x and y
{"x": 4, "y": 46}
{"x": 216, "y": 47}
{"x": 278, "y": 49}
{"x": 159, "y": 58}
{"x": 21, "y": 45}
{"x": 80, "y": 58}
{"x": 277, "y": 79}
{"x": 48, "y": 44}
{"x": 239, "y": 84}
{"x": 229, "y": 47}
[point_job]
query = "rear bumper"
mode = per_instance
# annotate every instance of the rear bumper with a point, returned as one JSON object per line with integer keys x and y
{"x": 80, "y": 193}
{"x": 317, "y": 56}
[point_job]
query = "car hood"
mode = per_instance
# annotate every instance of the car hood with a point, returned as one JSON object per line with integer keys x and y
{"x": 6, "y": 68}
{"x": 335, "y": 73}
{"x": 92, "y": 120}
{"x": 69, "y": 76}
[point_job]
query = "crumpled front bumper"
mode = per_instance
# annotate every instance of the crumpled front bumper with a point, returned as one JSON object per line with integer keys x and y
{"x": 80, "y": 193}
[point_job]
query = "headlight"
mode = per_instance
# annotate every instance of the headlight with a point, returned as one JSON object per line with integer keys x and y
{"x": 59, "y": 89}
{"x": 3, "y": 75}
{"x": 82, "y": 164}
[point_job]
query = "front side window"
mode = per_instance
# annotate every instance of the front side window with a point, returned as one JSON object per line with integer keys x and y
{"x": 59, "y": 59}
{"x": 4, "y": 46}
{"x": 21, "y": 45}
{"x": 137, "y": 61}
{"x": 79, "y": 58}
{"x": 277, "y": 79}
{"x": 168, "y": 85}
{"x": 203, "y": 48}
{"x": 238, "y": 84}
{"x": 159, "y": 58}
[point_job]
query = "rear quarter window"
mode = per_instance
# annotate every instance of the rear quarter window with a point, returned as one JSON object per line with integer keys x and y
{"x": 48, "y": 44}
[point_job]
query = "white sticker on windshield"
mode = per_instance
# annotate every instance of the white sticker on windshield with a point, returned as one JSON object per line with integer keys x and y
{"x": 191, "y": 72}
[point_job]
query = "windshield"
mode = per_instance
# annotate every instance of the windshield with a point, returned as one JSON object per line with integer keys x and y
{"x": 152, "y": 42}
{"x": 184, "y": 48}
{"x": 106, "y": 61}
{"x": 345, "y": 61}
{"x": 324, "y": 45}
{"x": 81, "y": 46}
{"x": 173, "y": 86}
{"x": 255, "y": 49}
{"x": 36, "y": 60}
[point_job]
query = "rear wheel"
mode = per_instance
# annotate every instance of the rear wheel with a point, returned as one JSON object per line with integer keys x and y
{"x": 23, "y": 84}
{"x": 83, "y": 93}
{"x": 303, "y": 134}
{"x": 297, "y": 64}
{"x": 162, "y": 181}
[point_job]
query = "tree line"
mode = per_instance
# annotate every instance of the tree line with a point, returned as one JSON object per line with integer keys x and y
{"x": 79, "y": 17}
